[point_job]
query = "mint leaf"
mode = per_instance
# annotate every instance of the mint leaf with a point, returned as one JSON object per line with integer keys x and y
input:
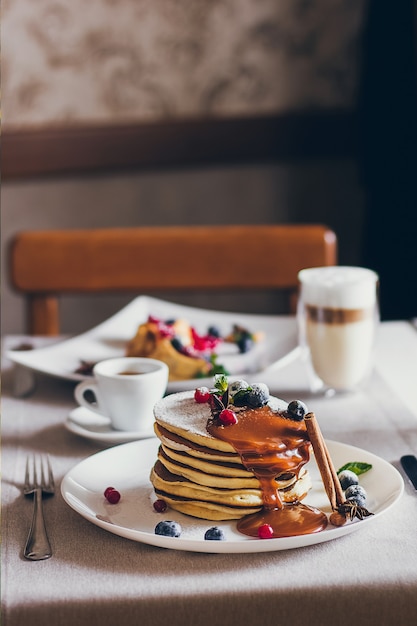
{"x": 220, "y": 382}
{"x": 357, "y": 467}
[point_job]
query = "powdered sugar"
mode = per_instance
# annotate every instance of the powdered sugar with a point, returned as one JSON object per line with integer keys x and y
{"x": 180, "y": 410}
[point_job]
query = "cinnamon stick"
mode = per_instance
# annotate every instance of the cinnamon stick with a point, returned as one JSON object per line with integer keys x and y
{"x": 324, "y": 462}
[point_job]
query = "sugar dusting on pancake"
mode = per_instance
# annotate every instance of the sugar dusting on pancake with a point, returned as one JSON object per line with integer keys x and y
{"x": 202, "y": 475}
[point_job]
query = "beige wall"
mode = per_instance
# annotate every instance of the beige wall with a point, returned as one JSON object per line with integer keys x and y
{"x": 321, "y": 192}
{"x": 117, "y": 60}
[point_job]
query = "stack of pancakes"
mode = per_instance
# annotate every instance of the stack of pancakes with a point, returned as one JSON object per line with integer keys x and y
{"x": 200, "y": 475}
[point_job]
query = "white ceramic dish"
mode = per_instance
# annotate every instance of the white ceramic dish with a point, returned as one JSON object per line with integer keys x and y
{"x": 109, "y": 340}
{"x": 127, "y": 468}
{"x": 92, "y": 426}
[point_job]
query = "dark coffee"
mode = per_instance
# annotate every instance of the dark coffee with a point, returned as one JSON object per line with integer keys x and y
{"x": 130, "y": 373}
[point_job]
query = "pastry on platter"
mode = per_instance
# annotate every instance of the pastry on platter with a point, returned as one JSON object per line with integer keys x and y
{"x": 187, "y": 353}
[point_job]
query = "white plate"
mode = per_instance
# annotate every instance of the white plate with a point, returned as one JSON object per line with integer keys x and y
{"x": 127, "y": 468}
{"x": 109, "y": 340}
{"x": 92, "y": 426}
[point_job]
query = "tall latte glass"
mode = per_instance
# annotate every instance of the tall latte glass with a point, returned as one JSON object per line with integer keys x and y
{"x": 338, "y": 315}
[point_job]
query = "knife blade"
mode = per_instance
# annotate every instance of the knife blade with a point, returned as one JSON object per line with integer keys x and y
{"x": 409, "y": 463}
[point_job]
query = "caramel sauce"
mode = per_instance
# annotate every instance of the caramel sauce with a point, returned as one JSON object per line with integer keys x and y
{"x": 270, "y": 445}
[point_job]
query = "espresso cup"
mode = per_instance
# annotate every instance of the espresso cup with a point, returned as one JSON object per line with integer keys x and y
{"x": 125, "y": 390}
{"x": 338, "y": 316}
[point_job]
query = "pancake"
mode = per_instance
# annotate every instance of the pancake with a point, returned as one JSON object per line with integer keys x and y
{"x": 210, "y": 480}
{"x": 166, "y": 482}
{"x": 215, "y": 468}
{"x": 206, "y": 510}
{"x": 175, "y": 442}
{"x": 181, "y": 415}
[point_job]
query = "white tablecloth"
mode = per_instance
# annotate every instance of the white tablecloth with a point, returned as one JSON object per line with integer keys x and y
{"x": 96, "y": 578}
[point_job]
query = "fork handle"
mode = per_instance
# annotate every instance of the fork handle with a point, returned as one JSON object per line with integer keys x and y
{"x": 37, "y": 545}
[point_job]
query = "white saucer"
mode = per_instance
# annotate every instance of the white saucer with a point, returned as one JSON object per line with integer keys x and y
{"x": 90, "y": 425}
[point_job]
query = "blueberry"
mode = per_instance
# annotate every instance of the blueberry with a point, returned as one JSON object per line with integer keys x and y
{"x": 244, "y": 343}
{"x": 213, "y": 331}
{"x": 176, "y": 343}
{"x": 168, "y": 529}
{"x": 254, "y": 396}
{"x": 356, "y": 494}
{"x": 258, "y": 395}
{"x": 347, "y": 478}
{"x": 214, "y": 534}
{"x": 296, "y": 410}
{"x": 237, "y": 385}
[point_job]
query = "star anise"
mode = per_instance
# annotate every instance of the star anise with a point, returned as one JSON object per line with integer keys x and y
{"x": 351, "y": 510}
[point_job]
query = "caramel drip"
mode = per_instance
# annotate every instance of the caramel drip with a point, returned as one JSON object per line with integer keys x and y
{"x": 327, "y": 315}
{"x": 269, "y": 445}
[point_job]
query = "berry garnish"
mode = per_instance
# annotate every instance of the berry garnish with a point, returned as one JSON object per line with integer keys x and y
{"x": 160, "y": 506}
{"x": 356, "y": 494}
{"x": 214, "y": 534}
{"x": 204, "y": 343}
{"x": 253, "y": 396}
{"x": 347, "y": 478}
{"x": 165, "y": 330}
{"x": 227, "y": 417}
{"x": 112, "y": 495}
{"x": 265, "y": 531}
{"x": 177, "y": 344}
{"x": 168, "y": 528}
{"x": 202, "y": 395}
{"x": 244, "y": 343}
{"x": 236, "y": 386}
{"x": 296, "y": 410}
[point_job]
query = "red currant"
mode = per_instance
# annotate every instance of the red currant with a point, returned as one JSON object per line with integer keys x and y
{"x": 160, "y": 506}
{"x": 202, "y": 395}
{"x": 265, "y": 532}
{"x": 227, "y": 416}
{"x": 112, "y": 495}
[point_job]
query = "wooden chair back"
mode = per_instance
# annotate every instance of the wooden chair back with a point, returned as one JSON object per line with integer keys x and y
{"x": 46, "y": 264}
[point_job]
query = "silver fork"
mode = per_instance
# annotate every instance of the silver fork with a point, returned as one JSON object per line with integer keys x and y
{"x": 38, "y": 480}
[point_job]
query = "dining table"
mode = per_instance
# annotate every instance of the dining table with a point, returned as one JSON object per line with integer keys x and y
{"x": 99, "y": 578}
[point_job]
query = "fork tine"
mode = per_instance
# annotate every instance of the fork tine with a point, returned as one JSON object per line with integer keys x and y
{"x": 47, "y": 477}
{"x": 43, "y": 479}
{"x": 51, "y": 480}
{"x": 37, "y": 481}
{"x": 27, "y": 476}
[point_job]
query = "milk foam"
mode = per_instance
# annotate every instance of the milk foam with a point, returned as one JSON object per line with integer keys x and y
{"x": 339, "y": 287}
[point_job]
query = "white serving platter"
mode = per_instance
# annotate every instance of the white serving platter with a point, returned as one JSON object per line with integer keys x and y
{"x": 109, "y": 339}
